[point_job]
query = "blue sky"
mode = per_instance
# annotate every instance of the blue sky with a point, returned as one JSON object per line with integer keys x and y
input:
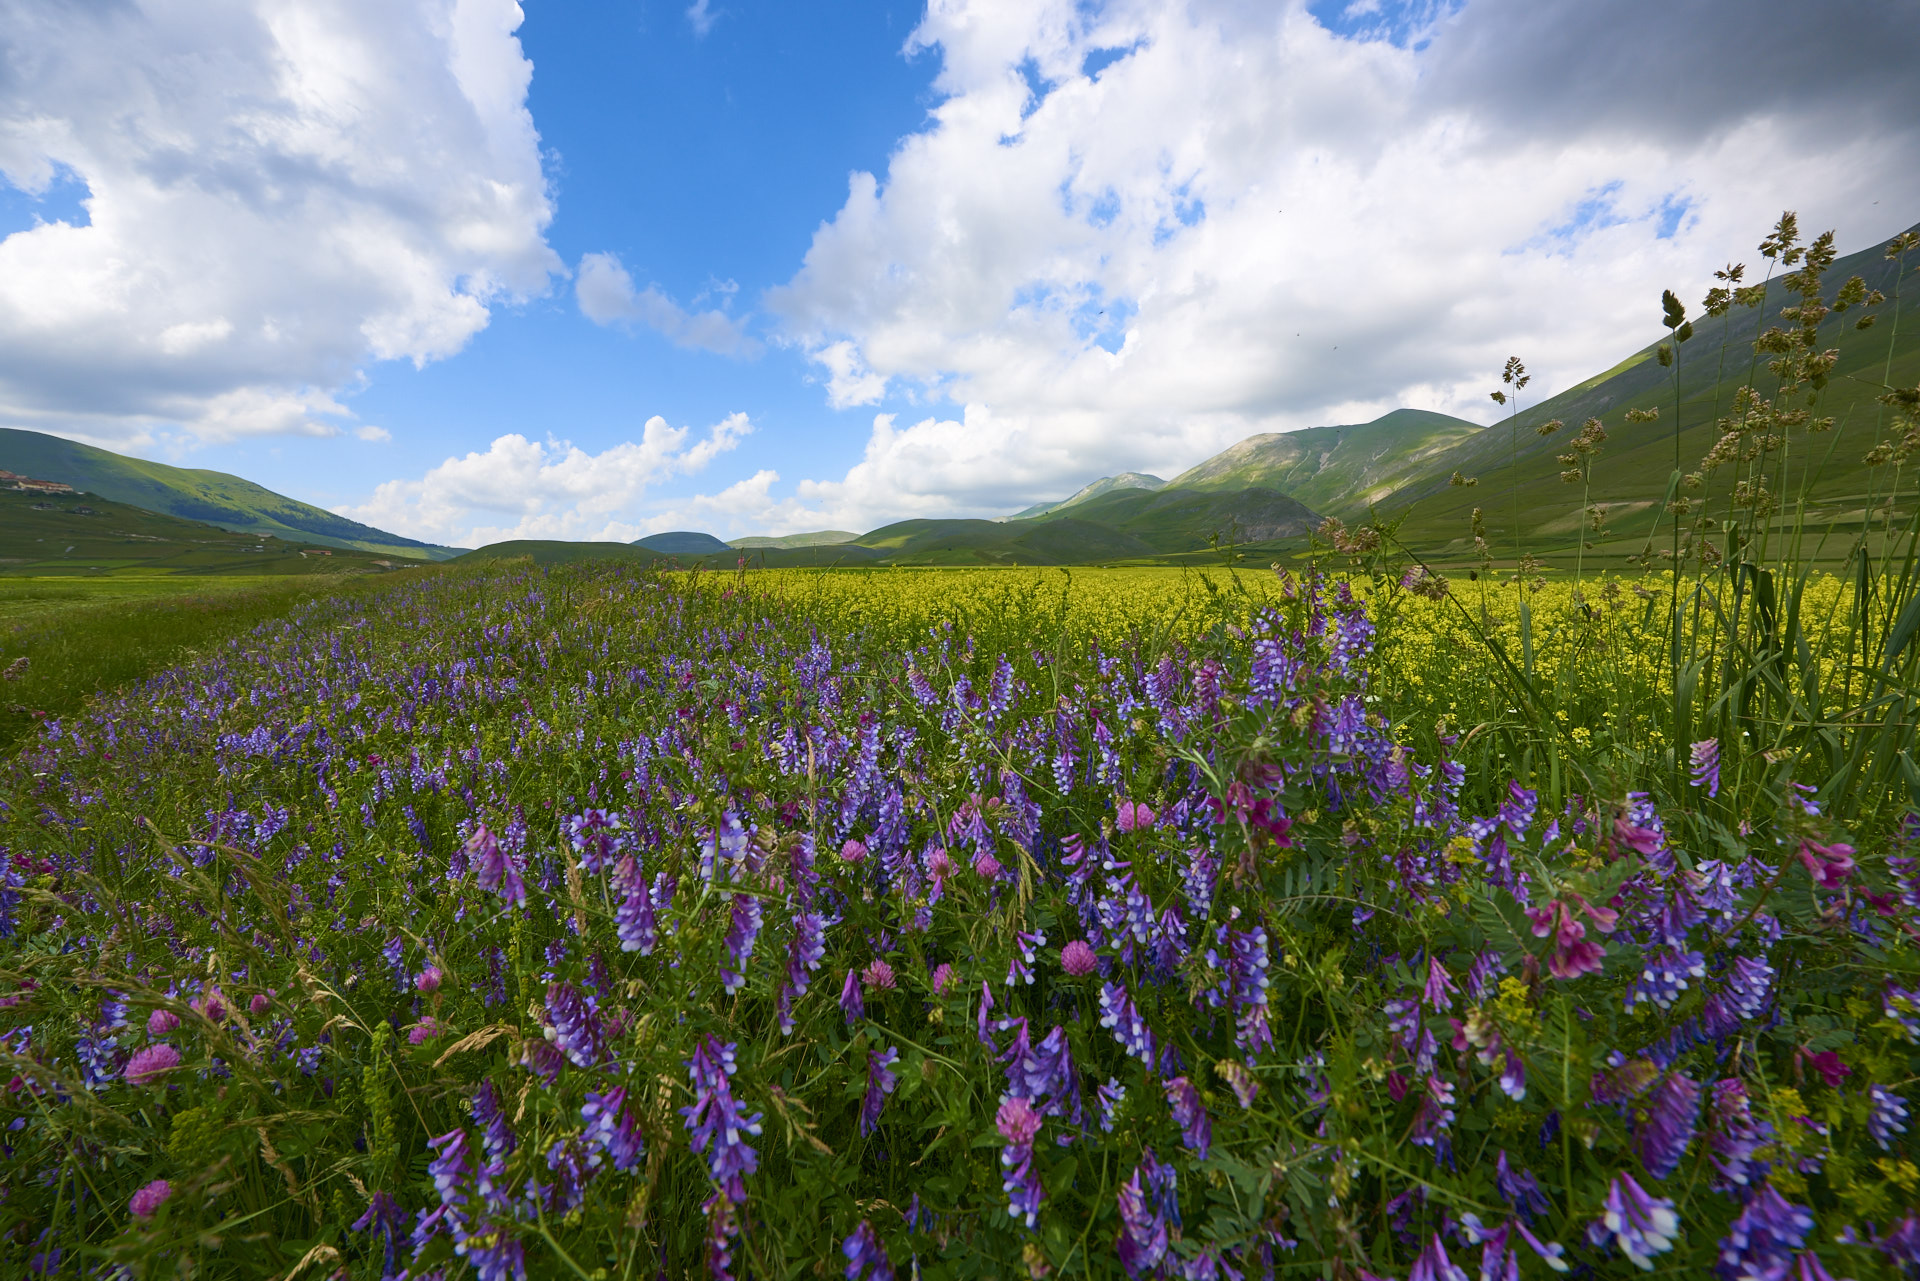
{"x": 592, "y": 270}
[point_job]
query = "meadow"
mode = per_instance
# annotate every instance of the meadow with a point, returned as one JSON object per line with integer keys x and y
{"x": 1329, "y": 919}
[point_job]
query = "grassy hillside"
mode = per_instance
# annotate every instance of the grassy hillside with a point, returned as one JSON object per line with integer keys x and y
{"x": 550, "y": 552}
{"x": 1334, "y": 468}
{"x": 1515, "y": 466}
{"x": 210, "y": 496}
{"x": 88, "y": 536}
{"x": 818, "y": 538}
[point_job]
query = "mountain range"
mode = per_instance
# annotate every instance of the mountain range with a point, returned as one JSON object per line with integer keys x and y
{"x": 1425, "y": 473}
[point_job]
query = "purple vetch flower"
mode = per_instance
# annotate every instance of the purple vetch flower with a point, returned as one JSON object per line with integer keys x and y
{"x": 1077, "y": 959}
{"x": 851, "y": 1003}
{"x": 493, "y": 867}
{"x": 716, "y": 1121}
{"x": 1705, "y": 759}
{"x": 1196, "y": 1127}
{"x": 880, "y": 1084}
{"x": 1829, "y": 865}
{"x": 741, "y": 933}
{"x": 148, "y": 1200}
{"x": 1440, "y": 987}
{"x": 1748, "y": 981}
{"x": 1434, "y": 1265}
{"x": 1149, "y": 1214}
{"x": 151, "y": 1062}
{"x": 866, "y": 1257}
{"x": 1118, "y": 1012}
{"x": 1018, "y": 1123}
{"x": 1238, "y": 1079}
{"x": 610, "y": 1130}
{"x": 1641, "y": 1225}
{"x": 984, "y": 1020}
{"x": 1759, "y": 1245}
{"x": 1111, "y": 1095}
{"x": 1521, "y": 1189}
{"x": 384, "y": 1215}
{"x": 1733, "y": 1136}
{"x": 1434, "y": 1121}
{"x": 1667, "y": 1132}
{"x": 1886, "y": 1117}
{"x": 1664, "y": 977}
{"x": 497, "y": 1139}
{"x": 633, "y": 920}
{"x": 804, "y": 954}
{"x": 1020, "y": 969}
{"x": 161, "y": 1022}
{"x": 723, "y": 1224}
{"x": 573, "y": 1026}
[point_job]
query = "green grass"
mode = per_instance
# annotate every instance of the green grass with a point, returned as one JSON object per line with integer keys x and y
{"x": 89, "y": 636}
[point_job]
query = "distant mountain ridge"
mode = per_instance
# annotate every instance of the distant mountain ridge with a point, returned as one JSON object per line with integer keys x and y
{"x": 211, "y": 497}
{"x": 1105, "y": 485}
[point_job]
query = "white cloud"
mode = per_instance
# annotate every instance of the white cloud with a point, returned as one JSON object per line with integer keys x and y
{"x": 277, "y": 194}
{"x": 521, "y": 488}
{"x": 701, "y": 18}
{"x": 373, "y": 435}
{"x": 1247, "y": 223}
{"x": 604, "y": 289}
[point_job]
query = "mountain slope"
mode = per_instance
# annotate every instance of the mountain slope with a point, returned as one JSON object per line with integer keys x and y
{"x": 192, "y": 494}
{"x": 818, "y": 538}
{"x": 1515, "y": 466}
{"x": 1105, "y": 485}
{"x": 682, "y": 542}
{"x": 1339, "y": 469}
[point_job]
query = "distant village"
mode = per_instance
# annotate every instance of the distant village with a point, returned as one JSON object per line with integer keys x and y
{"x": 28, "y": 485}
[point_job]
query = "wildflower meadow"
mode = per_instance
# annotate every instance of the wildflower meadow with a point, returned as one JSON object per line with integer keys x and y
{"x": 1334, "y": 920}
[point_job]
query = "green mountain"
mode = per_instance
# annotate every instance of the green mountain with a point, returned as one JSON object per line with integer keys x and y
{"x": 1105, "y": 485}
{"x": 681, "y": 542}
{"x": 1334, "y": 468}
{"x": 553, "y": 552}
{"x": 1514, "y": 466}
{"x": 192, "y": 494}
{"x": 83, "y": 535}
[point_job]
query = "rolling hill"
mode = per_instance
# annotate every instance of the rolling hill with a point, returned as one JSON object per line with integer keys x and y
{"x": 192, "y": 494}
{"x": 1334, "y": 468}
{"x": 682, "y": 542}
{"x": 818, "y": 538}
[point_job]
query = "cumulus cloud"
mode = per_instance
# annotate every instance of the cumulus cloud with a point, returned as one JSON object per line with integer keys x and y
{"x": 277, "y": 194}
{"x": 1133, "y": 233}
{"x": 701, "y": 17}
{"x": 604, "y": 289}
{"x": 522, "y": 488}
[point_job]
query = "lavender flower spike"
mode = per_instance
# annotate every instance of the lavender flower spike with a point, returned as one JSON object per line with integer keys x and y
{"x": 716, "y": 1120}
{"x": 880, "y": 1083}
{"x": 1705, "y": 759}
{"x": 493, "y": 868}
{"x": 1668, "y": 1130}
{"x": 866, "y": 1256}
{"x": 1760, "y": 1243}
{"x": 1196, "y": 1128}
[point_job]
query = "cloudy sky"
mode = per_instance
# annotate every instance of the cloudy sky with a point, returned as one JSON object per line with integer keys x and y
{"x": 469, "y": 272}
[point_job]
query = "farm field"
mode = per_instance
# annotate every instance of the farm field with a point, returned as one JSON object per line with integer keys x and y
{"x": 592, "y": 920}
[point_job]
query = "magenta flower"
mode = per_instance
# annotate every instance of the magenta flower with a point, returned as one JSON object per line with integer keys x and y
{"x": 161, "y": 1022}
{"x": 1018, "y": 1123}
{"x": 425, "y": 1030}
{"x": 879, "y": 974}
{"x": 428, "y": 980}
{"x": 149, "y": 1199}
{"x": 853, "y": 852}
{"x": 1079, "y": 960}
{"x": 1133, "y": 816}
{"x": 151, "y": 1062}
{"x": 1827, "y": 1063}
{"x": 260, "y": 1004}
{"x": 211, "y": 1006}
{"x": 942, "y": 977}
{"x": 986, "y": 866}
{"x": 1572, "y": 955}
{"x": 1829, "y": 865}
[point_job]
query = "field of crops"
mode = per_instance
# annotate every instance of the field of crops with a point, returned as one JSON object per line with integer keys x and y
{"x": 590, "y": 921}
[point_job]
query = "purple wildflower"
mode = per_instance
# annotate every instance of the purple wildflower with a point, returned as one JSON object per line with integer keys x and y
{"x": 634, "y": 921}
{"x": 1118, "y": 1012}
{"x": 866, "y": 1257}
{"x": 1020, "y": 969}
{"x": 853, "y": 852}
{"x": 1196, "y": 1127}
{"x": 574, "y": 1027}
{"x": 1521, "y": 1189}
{"x": 1440, "y": 986}
{"x": 1759, "y": 1245}
{"x": 880, "y": 1083}
{"x": 493, "y": 867}
{"x": 1641, "y": 1225}
{"x": 1705, "y": 758}
{"x": 151, "y": 1062}
{"x": 804, "y": 954}
{"x": 1668, "y": 1130}
{"x": 610, "y": 1130}
{"x": 1747, "y": 984}
{"x": 851, "y": 1003}
{"x": 986, "y": 866}
{"x": 148, "y": 1200}
{"x": 1434, "y": 1265}
{"x": 1149, "y": 1214}
{"x": 743, "y": 930}
{"x": 1112, "y": 1095}
{"x": 716, "y": 1121}
{"x": 879, "y": 975}
{"x": 1829, "y": 865}
{"x": 161, "y": 1022}
{"x": 1238, "y": 1079}
{"x": 1886, "y": 1117}
{"x": 1733, "y": 1135}
{"x": 984, "y": 1019}
{"x": 1077, "y": 959}
{"x": 942, "y": 978}
{"x": 1018, "y": 1123}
